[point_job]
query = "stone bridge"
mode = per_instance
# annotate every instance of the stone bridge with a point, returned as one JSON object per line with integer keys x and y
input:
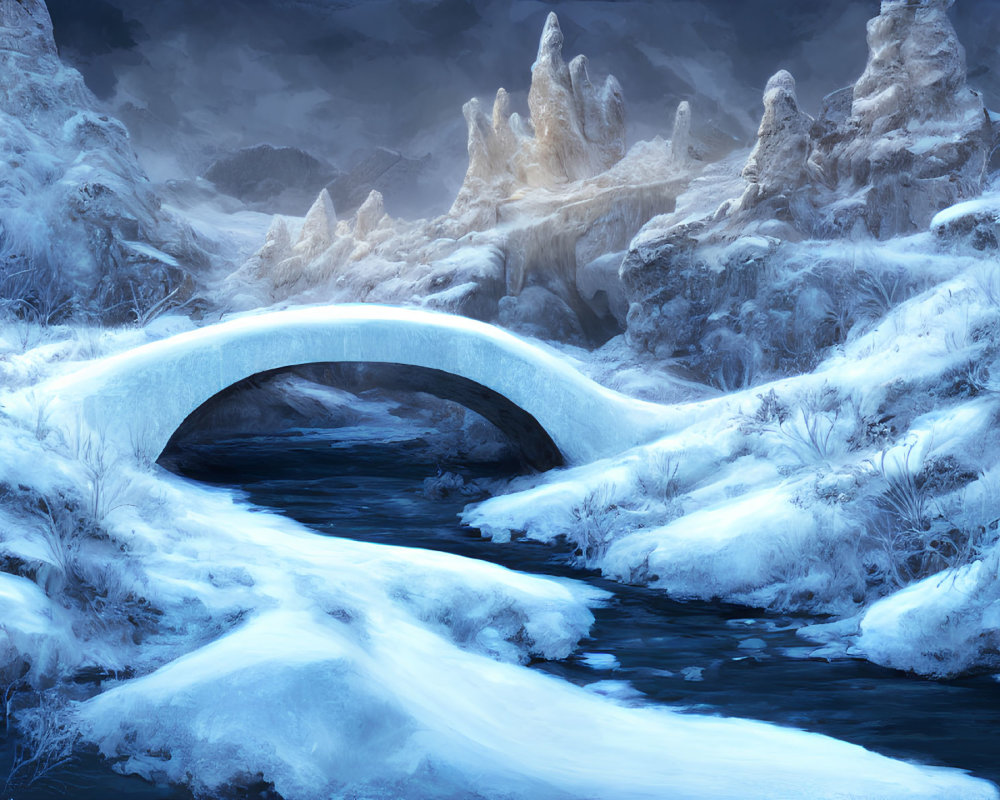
{"x": 138, "y": 399}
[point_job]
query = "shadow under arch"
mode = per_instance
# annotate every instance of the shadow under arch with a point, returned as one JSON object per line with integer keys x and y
{"x": 534, "y": 445}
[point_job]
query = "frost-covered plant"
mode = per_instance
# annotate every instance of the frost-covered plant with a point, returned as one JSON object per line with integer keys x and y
{"x": 771, "y": 411}
{"x": 987, "y": 279}
{"x": 902, "y": 495}
{"x": 32, "y": 294}
{"x": 145, "y": 307}
{"x": 734, "y": 359}
{"x": 807, "y": 431}
{"x": 107, "y": 482}
{"x": 878, "y": 291}
{"x": 46, "y": 745}
{"x": 13, "y": 683}
{"x": 594, "y": 525}
{"x": 908, "y": 523}
{"x": 869, "y": 430}
{"x": 658, "y": 477}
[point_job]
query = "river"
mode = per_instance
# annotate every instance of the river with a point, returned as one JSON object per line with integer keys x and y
{"x": 644, "y": 648}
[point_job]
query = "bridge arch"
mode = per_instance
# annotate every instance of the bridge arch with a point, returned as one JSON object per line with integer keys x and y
{"x": 532, "y": 443}
{"x": 139, "y": 398}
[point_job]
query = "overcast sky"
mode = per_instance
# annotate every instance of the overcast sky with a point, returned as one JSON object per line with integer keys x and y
{"x": 194, "y": 79}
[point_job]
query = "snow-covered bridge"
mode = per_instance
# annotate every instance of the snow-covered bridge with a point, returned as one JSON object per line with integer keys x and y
{"x": 139, "y": 398}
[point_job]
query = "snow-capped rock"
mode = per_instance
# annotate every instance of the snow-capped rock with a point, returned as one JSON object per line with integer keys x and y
{"x": 916, "y": 137}
{"x": 82, "y": 229}
{"x": 545, "y": 203}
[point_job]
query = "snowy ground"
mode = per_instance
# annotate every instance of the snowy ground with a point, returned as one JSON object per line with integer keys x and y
{"x": 371, "y": 668}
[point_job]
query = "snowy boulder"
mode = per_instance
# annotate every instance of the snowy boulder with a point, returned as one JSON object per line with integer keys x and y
{"x": 944, "y": 626}
{"x": 974, "y": 222}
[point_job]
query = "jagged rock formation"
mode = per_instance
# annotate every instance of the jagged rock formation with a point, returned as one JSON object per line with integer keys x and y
{"x": 916, "y": 137}
{"x": 908, "y": 139}
{"x": 725, "y": 285}
{"x": 541, "y": 222}
{"x": 80, "y": 227}
{"x": 276, "y": 179}
{"x": 575, "y": 131}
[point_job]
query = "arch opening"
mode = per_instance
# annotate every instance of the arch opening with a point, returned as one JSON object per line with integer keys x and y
{"x": 262, "y": 403}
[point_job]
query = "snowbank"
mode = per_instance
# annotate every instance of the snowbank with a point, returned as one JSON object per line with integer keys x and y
{"x": 299, "y": 700}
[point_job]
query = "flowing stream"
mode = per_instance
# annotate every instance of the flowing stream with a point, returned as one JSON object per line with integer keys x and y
{"x": 644, "y": 648}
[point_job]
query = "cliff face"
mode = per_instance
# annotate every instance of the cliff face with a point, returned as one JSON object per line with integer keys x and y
{"x": 80, "y": 227}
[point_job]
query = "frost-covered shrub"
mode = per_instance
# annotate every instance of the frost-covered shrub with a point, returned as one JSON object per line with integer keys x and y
{"x": 742, "y": 312}
{"x": 805, "y": 431}
{"x": 595, "y": 524}
{"x": 45, "y": 744}
{"x": 905, "y": 519}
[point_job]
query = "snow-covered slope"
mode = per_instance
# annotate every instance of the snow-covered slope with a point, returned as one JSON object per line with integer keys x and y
{"x": 81, "y": 230}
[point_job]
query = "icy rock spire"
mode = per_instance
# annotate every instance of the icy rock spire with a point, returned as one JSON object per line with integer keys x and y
{"x": 579, "y": 130}
{"x": 916, "y": 68}
{"x": 915, "y": 137}
{"x": 680, "y": 139}
{"x": 319, "y": 227}
{"x": 369, "y": 215}
{"x": 777, "y": 163}
{"x": 576, "y": 130}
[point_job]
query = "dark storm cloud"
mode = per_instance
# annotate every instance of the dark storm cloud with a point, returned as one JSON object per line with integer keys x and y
{"x": 195, "y": 80}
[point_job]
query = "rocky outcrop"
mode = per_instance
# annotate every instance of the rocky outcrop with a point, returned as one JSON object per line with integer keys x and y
{"x": 81, "y": 230}
{"x": 916, "y": 137}
{"x": 281, "y": 180}
{"x": 724, "y": 286}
